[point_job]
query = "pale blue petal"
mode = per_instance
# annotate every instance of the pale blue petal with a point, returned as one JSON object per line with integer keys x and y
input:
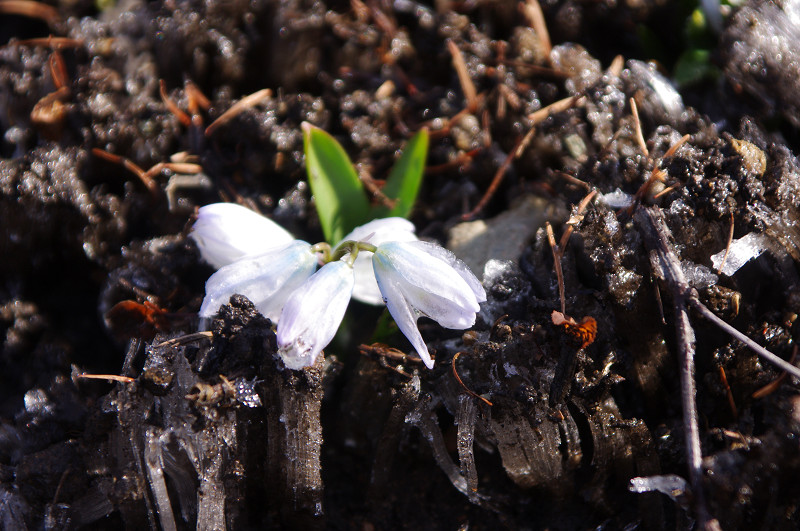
{"x": 383, "y": 230}
{"x": 420, "y": 269}
{"x": 452, "y": 308}
{"x": 267, "y": 280}
{"x": 313, "y": 313}
{"x": 376, "y": 232}
{"x": 226, "y": 232}
{"x": 402, "y": 312}
{"x": 460, "y": 267}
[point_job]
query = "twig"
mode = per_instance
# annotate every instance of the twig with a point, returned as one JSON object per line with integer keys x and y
{"x": 27, "y": 8}
{"x": 235, "y": 109}
{"x": 555, "y": 107}
{"x": 533, "y": 11}
{"x": 469, "y": 391}
{"x": 667, "y": 190}
{"x": 496, "y": 180}
{"x": 573, "y": 180}
{"x": 172, "y": 107}
{"x": 731, "y": 402}
{"x": 557, "y": 264}
{"x": 131, "y": 166}
{"x": 666, "y": 265}
{"x": 755, "y": 347}
{"x": 55, "y": 43}
{"x": 615, "y": 68}
{"x": 727, "y": 247}
{"x": 638, "y": 128}
{"x": 111, "y": 377}
{"x": 519, "y": 149}
{"x": 773, "y": 385}
{"x": 467, "y": 86}
{"x": 182, "y": 340}
{"x": 571, "y": 223}
{"x": 686, "y": 344}
{"x": 58, "y": 70}
{"x": 674, "y": 147}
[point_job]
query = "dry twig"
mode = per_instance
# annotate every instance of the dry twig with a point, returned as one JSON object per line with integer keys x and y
{"x": 235, "y": 109}
{"x": 27, "y": 8}
{"x": 467, "y": 86}
{"x": 638, "y": 128}
{"x": 110, "y": 377}
{"x": 469, "y": 391}
{"x": 666, "y": 265}
{"x": 533, "y": 11}
{"x": 727, "y": 247}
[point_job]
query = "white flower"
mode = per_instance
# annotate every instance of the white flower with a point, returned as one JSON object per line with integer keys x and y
{"x": 313, "y": 313}
{"x": 421, "y": 278}
{"x": 376, "y": 232}
{"x": 267, "y": 280}
{"x": 226, "y": 232}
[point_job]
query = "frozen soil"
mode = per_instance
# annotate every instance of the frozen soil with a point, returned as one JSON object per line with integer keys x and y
{"x": 98, "y": 276}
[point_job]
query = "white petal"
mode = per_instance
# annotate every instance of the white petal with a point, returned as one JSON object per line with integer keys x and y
{"x": 383, "y": 230}
{"x": 404, "y": 315}
{"x": 419, "y": 268}
{"x": 267, "y": 280}
{"x": 376, "y": 232}
{"x": 313, "y": 313}
{"x": 226, "y": 232}
{"x": 460, "y": 267}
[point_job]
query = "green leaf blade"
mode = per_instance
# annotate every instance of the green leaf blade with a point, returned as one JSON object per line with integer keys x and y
{"x": 342, "y": 204}
{"x": 404, "y": 181}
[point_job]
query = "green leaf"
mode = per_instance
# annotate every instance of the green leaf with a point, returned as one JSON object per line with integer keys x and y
{"x": 405, "y": 178}
{"x": 342, "y": 204}
{"x": 694, "y": 66}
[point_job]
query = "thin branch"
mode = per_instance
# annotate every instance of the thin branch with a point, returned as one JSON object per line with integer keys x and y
{"x": 666, "y": 265}
{"x": 27, "y": 8}
{"x": 755, "y": 347}
{"x": 731, "y": 402}
{"x": 235, "y": 109}
{"x": 495, "y": 184}
{"x": 578, "y": 214}
{"x": 467, "y": 86}
{"x": 110, "y": 377}
{"x": 638, "y": 128}
{"x": 557, "y": 264}
{"x": 172, "y": 107}
{"x": 773, "y": 385}
{"x": 533, "y": 11}
{"x": 727, "y": 247}
{"x": 182, "y": 340}
{"x": 555, "y": 107}
{"x": 694, "y": 453}
{"x": 469, "y": 391}
{"x": 55, "y": 43}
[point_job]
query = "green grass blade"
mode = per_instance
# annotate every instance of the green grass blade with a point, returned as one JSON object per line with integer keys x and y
{"x": 341, "y": 201}
{"x": 405, "y": 178}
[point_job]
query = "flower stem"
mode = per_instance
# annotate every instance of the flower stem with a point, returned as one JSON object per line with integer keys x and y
{"x": 352, "y": 247}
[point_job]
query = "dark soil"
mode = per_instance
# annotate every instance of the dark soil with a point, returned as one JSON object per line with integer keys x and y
{"x": 97, "y": 272}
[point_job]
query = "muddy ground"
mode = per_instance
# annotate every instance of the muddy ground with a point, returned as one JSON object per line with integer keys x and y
{"x": 97, "y": 272}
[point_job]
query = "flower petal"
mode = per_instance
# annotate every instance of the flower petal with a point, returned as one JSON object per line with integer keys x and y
{"x": 376, "y": 232}
{"x": 313, "y": 313}
{"x": 419, "y": 268}
{"x": 383, "y": 230}
{"x": 267, "y": 280}
{"x": 460, "y": 267}
{"x": 404, "y": 315}
{"x": 226, "y": 232}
